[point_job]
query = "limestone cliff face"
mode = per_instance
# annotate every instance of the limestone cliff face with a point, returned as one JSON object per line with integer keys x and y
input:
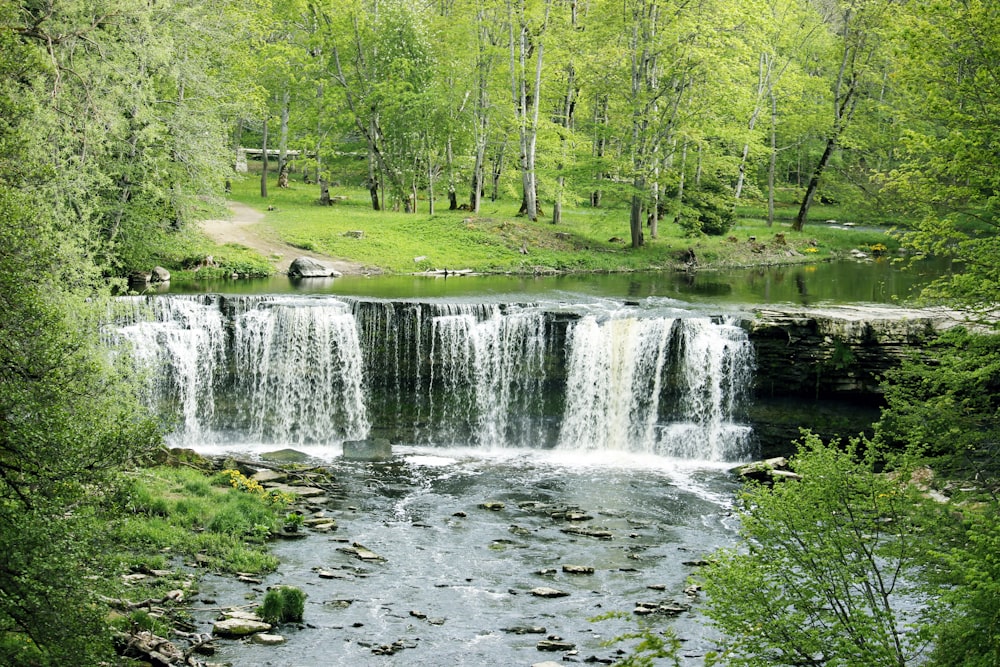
{"x": 822, "y": 368}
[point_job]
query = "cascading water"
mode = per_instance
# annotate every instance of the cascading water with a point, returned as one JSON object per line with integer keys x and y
{"x": 662, "y": 385}
{"x": 320, "y": 370}
{"x": 181, "y": 343}
{"x": 298, "y": 365}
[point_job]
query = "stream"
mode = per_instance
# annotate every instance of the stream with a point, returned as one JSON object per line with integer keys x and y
{"x": 455, "y": 580}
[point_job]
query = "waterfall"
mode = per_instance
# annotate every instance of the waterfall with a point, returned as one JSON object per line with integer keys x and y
{"x": 657, "y": 385}
{"x": 488, "y": 372}
{"x": 301, "y": 370}
{"x": 181, "y": 344}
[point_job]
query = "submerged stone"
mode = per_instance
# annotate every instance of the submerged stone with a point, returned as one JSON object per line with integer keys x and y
{"x": 554, "y": 645}
{"x": 285, "y": 456}
{"x": 577, "y": 569}
{"x": 372, "y": 449}
{"x": 525, "y": 630}
{"x": 546, "y": 592}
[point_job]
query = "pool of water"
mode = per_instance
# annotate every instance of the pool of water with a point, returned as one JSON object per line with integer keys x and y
{"x": 455, "y": 578}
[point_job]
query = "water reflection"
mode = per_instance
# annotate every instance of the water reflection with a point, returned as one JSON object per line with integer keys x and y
{"x": 881, "y": 281}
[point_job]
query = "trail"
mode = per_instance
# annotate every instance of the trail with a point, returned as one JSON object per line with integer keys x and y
{"x": 247, "y": 228}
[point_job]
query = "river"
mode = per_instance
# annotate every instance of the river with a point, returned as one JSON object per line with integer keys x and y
{"x": 537, "y": 423}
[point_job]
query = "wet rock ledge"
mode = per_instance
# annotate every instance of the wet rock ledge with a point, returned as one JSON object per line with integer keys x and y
{"x": 822, "y": 367}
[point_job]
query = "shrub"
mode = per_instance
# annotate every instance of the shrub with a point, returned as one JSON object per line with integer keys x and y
{"x": 283, "y": 604}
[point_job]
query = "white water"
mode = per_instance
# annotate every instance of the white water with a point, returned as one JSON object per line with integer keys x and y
{"x": 316, "y": 371}
{"x": 299, "y": 368}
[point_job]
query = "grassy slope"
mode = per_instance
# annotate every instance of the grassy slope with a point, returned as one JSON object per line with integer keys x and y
{"x": 588, "y": 239}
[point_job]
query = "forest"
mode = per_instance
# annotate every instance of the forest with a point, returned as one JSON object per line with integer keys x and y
{"x": 120, "y": 128}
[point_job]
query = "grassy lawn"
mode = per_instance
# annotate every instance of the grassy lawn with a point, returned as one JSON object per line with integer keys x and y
{"x": 496, "y": 240}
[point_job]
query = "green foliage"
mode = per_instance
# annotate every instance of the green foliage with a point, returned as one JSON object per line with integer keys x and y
{"x": 283, "y": 604}
{"x": 969, "y": 636}
{"x": 830, "y": 568}
{"x": 651, "y": 645}
{"x": 945, "y": 404}
{"x": 709, "y": 209}
{"x": 190, "y": 513}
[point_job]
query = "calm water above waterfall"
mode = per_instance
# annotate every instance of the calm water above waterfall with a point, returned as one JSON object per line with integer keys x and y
{"x": 882, "y": 281}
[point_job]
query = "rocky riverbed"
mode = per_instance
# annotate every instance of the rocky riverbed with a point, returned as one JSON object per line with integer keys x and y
{"x": 464, "y": 557}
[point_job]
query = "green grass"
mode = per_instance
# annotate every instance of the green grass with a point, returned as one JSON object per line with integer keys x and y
{"x": 588, "y": 239}
{"x": 184, "y": 512}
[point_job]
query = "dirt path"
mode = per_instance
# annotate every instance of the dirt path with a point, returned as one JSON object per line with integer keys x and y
{"x": 247, "y": 228}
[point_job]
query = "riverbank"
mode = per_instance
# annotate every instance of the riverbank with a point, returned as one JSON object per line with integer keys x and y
{"x": 354, "y": 239}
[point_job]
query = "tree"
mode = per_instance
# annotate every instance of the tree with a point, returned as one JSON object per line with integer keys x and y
{"x": 527, "y": 55}
{"x": 860, "y": 26}
{"x": 67, "y": 420}
{"x": 948, "y": 78}
{"x": 139, "y": 96}
{"x": 827, "y": 574}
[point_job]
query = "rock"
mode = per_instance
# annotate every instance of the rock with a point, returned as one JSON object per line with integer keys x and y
{"x": 300, "y": 491}
{"x": 269, "y": 476}
{"x": 492, "y": 505}
{"x": 360, "y": 552}
{"x": 307, "y": 267}
{"x": 768, "y": 471}
{"x": 577, "y": 569}
{"x": 239, "y": 627}
{"x": 327, "y": 526}
{"x": 554, "y": 645}
{"x": 546, "y": 592}
{"x": 285, "y": 456}
{"x": 525, "y": 630}
{"x": 668, "y": 608}
{"x": 159, "y": 275}
{"x": 598, "y": 533}
{"x": 267, "y": 639}
{"x": 372, "y": 449}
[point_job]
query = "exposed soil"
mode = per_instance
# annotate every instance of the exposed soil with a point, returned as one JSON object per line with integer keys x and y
{"x": 247, "y": 228}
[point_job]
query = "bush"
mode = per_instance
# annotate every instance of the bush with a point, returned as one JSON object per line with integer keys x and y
{"x": 283, "y": 604}
{"x": 831, "y": 569}
{"x": 709, "y": 209}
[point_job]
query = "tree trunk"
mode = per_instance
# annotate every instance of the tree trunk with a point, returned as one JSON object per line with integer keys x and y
{"x": 635, "y": 216}
{"x": 557, "y": 204}
{"x": 654, "y": 209}
{"x": 600, "y": 144}
{"x": 283, "y": 137}
{"x": 773, "y": 160}
{"x": 800, "y": 219}
{"x": 263, "y": 156}
{"x": 497, "y": 172}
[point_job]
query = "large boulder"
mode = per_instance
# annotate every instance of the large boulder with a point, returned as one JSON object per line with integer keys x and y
{"x": 159, "y": 275}
{"x": 307, "y": 267}
{"x": 372, "y": 449}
